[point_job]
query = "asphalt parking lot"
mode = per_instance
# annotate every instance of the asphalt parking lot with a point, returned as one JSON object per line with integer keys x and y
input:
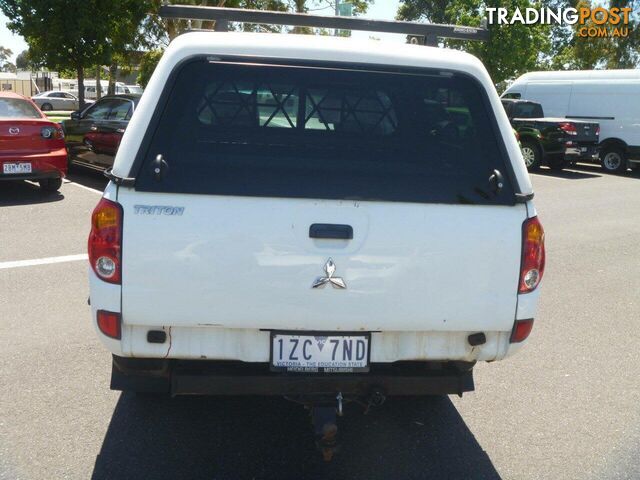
{"x": 566, "y": 407}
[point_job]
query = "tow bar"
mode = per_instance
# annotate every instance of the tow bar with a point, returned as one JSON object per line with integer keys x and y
{"x": 324, "y": 419}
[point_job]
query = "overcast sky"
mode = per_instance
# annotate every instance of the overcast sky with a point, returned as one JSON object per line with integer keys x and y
{"x": 381, "y": 9}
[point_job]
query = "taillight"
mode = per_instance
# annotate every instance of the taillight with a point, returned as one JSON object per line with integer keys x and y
{"x": 598, "y": 131}
{"x": 105, "y": 241}
{"x": 109, "y": 324}
{"x": 568, "y": 128}
{"x": 521, "y": 330}
{"x": 52, "y": 133}
{"x": 533, "y": 255}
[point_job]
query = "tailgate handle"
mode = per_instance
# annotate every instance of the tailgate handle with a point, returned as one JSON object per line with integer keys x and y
{"x": 331, "y": 230}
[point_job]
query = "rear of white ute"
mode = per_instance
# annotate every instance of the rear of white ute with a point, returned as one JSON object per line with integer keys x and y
{"x": 282, "y": 223}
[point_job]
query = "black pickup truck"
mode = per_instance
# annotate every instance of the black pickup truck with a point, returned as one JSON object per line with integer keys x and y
{"x": 556, "y": 142}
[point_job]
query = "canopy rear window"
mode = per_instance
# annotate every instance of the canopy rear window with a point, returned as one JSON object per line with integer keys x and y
{"x": 319, "y": 132}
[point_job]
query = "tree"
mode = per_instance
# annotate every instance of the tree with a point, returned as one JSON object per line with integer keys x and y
{"x": 126, "y": 36}
{"x": 511, "y": 49}
{"x": 625, "y": 51}
{"x": 586, "y": 53}
{"x": 515, "y": 49}
{"x": 159, "y": 32}
{"x": 5, "y": 64}
{"x": 23, "y": 60}
{"x": 148, "y": 64}
{"x": 70, "y": 33}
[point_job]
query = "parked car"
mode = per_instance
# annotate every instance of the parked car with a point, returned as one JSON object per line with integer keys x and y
{"x": 55, "y": 100}
{"x": 31, "y": 146}
{"x": 556, "y": 142}
{"x": 609, "y": 97}
{"x": 378, "y": 239}
{"x": 94, "y": 134}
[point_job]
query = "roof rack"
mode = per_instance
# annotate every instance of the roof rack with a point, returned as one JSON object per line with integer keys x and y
{"x": 414, "y": 30}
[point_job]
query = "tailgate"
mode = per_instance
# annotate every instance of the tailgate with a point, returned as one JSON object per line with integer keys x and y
{"x": 250, "y": 263}
{"x": 586, "y": 132}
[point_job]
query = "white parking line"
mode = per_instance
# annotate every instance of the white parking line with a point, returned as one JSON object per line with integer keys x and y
{"x": 82, "y": 186}
{"x": 43, "y": 261}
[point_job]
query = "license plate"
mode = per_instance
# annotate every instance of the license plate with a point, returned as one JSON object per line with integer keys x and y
{"x": 13, "y": 168}
{"x": 320, "y": 352}
{"x": 583, "y": 149}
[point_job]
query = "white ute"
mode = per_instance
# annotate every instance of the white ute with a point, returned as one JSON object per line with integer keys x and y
{"x": 314, "y": 217}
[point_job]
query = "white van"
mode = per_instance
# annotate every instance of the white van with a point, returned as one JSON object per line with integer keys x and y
{"x": 609, "y": 97}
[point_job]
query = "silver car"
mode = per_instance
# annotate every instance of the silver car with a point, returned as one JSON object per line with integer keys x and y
{"x": 55, "y": 100}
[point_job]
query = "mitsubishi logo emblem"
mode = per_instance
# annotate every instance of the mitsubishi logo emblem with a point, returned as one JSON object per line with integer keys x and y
{"x": 329, "y": 269}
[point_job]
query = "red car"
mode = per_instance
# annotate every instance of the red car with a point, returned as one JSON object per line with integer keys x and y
{"x": 31, "y": 146}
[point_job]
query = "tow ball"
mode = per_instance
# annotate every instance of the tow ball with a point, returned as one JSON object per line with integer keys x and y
{"x": 325, "y": 427}
{"x": 324, "y": 417}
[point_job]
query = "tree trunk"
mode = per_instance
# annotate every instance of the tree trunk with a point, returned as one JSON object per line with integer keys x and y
{"x": 300, "y": 7}
{"x": 113, "y": 69}
{"x": 98, "y": 86}
{"x": 80, "y": 72}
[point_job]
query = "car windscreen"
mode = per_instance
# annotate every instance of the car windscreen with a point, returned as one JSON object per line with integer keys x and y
{"x": 17, "y": 108}
{"x": 327, "y": 133}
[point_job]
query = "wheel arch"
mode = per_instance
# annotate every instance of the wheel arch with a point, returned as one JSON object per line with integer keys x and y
{"x": 531, "y": 136}
{"x": 613, "y": 142}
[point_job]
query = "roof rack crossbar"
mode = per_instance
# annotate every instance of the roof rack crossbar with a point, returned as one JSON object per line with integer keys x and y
{"x": 431, "y": 31}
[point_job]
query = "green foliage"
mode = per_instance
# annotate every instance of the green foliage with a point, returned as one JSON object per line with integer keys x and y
{"x": 5, "y": 64}
{"x": 511, "y": 49}
{"x": 23, "y": 60}
{"x": 75, "y": 34}
{"x": 586, "y": 53}
{"x": 148, "y": 64}
{"x": 162, "y": 31}
{"x": 625, "y": 51}
{"x": 157, "y": 32}
{"x": 516, "y": 49}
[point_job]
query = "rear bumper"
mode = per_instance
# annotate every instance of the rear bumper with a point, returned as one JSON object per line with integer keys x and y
{"x": 44, "y": 165}
{"x": 238, "y": 378}
{"x": 579, "y": 151}
{"x": 253, "y": 346}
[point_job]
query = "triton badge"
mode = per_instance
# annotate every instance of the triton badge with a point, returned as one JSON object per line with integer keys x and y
{"x": 329, "y": 269}
{"x": 157, "y": 210}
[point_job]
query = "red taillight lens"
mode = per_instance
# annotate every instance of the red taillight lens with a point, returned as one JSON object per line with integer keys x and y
{"x": 105, "y": 241}
{"x": 521, "y": 330}
{"x": 533, "y": 255}
{"x": 109, "y": 324}
{"x": 598, "y": 130}
{"x": 568, "y": 128}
